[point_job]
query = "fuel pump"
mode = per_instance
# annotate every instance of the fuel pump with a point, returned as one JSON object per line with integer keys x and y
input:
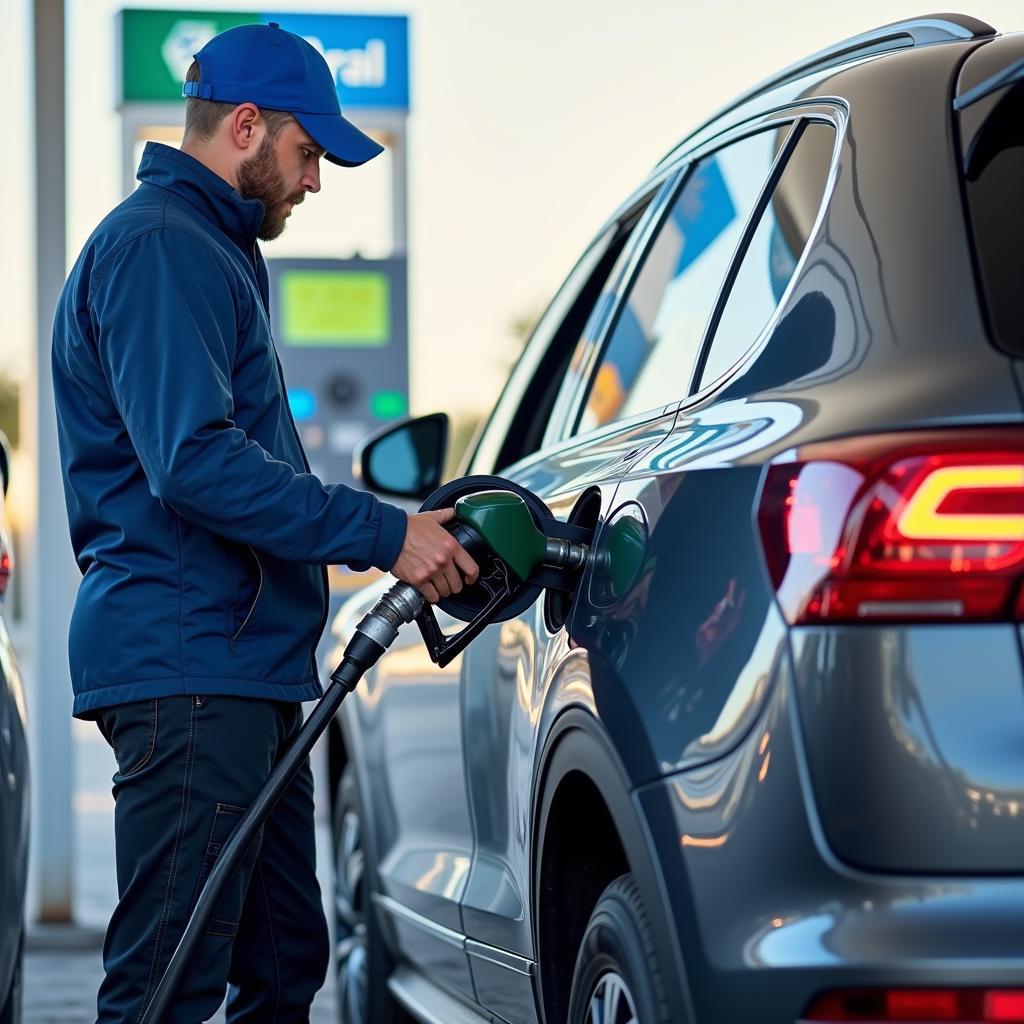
{"x": 521, "y": 550}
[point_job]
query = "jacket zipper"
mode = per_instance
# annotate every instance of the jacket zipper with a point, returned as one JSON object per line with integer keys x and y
{"x": 256, "y": 600}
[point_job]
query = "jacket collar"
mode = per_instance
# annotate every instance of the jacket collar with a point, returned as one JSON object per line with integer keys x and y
{"x": 209, "y": 193}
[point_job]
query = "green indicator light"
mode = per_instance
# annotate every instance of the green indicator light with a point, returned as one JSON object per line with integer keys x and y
{"x": 335, "y": 308}
{"x": 387, "y": 405}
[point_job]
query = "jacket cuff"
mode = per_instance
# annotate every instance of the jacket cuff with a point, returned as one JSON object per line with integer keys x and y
{"x": 390, "y": 537}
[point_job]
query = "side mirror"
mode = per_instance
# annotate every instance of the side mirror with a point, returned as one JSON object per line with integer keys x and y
{"x": 5, "y": 461}
{"x": 406, "y": 459}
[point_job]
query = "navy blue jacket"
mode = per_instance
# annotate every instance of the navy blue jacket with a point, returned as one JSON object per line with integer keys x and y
{"x": 200, "y": 532}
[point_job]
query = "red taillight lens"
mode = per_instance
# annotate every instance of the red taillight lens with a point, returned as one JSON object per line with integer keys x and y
{"x": 5, "y": 571}
{"x": 902, "y": 533}
{"x": 977, "y": 1006}
{"x": 1004, "y": 1006}
{"x": 923, "y": 1004}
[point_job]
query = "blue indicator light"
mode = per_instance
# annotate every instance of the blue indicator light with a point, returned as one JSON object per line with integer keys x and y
{"x": 302, "y": 403}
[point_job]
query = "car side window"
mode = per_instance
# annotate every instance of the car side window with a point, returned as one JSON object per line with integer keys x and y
{"x": 775, "y": 248}
{"x": 650, "y": 357}
{"x": 517, "y": 424}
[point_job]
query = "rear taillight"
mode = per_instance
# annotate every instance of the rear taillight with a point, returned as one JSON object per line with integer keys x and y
{"x": 977, "y": 1006}
{"x": 5, "y": 571}
{"x": 922, "y": 528}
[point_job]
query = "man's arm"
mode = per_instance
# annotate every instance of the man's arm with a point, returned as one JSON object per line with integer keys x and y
{"x": 166, "y": 327}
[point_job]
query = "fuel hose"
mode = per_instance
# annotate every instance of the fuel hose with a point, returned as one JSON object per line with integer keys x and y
{"x": 372, "y": 637}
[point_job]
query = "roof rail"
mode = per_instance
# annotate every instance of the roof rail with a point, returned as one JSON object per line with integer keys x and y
{"x": 931, "y": 28}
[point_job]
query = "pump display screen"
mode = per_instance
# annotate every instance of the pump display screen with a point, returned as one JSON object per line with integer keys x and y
{"x": 334, "y": 308}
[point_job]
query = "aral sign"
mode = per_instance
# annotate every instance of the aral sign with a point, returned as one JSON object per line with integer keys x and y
{"x": 368, "y": 55}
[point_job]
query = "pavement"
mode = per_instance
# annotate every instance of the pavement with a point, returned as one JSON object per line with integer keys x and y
{"x": 62, "y": 963}
{"x": 61, "y": 984}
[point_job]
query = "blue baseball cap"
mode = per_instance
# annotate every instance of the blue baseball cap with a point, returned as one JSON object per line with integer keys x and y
{"x": 276, "y": 69}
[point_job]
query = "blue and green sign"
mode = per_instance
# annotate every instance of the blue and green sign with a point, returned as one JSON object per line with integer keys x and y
{"x": 367, "y": 54}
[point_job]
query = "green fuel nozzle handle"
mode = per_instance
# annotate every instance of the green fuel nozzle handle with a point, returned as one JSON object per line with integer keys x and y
{"x": 488, "y": 523}
{"x": 504, "y": 521}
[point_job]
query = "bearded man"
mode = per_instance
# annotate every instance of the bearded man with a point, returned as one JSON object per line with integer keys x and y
{"x": 202, "y": 536}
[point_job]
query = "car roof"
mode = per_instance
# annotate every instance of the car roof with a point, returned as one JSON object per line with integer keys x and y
{"x": 891, "y": 38}
{"x": 888, "y": 39}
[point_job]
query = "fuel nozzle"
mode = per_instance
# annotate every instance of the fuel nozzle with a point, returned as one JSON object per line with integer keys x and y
{"x": 507, "y": 526}
{"x": 501, "y": 532}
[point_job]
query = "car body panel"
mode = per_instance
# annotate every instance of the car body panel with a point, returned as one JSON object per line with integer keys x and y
{"x": 517, "y": 677}
{"x": 679, "y": 660}
{"x": 923, "y": 705}
{"x": 768, "y": 915}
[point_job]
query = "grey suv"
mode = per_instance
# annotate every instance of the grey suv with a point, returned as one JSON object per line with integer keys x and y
{"x": 775, "y": 772}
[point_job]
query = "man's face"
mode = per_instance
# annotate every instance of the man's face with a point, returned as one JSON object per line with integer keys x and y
{"x": 279, "y": 174}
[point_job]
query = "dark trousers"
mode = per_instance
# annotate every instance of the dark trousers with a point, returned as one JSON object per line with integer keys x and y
{"x": 187, "y": 768}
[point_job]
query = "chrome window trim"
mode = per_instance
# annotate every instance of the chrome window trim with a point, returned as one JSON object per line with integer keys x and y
{"x": 437, "y": 931}
{"x": 838, "y": 118}
{"x": 480, "y": 950}
{"x": 773, "y": 117}
{"x": 501, "y": 958}
{"x": 739, "y": 252}
{"x": 663, "y": 202}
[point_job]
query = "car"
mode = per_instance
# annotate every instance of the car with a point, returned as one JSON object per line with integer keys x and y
{"x": 14, "y": 792}
{"x": 773, "y": 769}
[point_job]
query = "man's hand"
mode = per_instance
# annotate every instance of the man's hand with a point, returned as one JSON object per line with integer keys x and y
{"x": 432, "y": 560}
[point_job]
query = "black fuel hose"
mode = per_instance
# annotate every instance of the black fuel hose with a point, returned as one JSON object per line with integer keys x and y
{"x": 360, "y": 655}
{"x": 374, "y": 634}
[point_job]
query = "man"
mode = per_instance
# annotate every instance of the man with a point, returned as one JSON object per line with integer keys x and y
{"x": 202, "y": 536}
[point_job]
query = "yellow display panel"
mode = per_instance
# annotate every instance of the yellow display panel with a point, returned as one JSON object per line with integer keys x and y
{"x": 335, "y": 308}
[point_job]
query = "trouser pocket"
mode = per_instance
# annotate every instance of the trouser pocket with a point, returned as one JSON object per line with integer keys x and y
{"x": 228, "y": 909}
{"x": 131, "y": 730}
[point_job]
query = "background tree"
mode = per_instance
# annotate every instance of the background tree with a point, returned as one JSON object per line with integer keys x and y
{"x": 9, "y": 409}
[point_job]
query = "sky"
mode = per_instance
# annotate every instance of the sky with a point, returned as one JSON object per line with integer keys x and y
{"x": 530, "y": 122}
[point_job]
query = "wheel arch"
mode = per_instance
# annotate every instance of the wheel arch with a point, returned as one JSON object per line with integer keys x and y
{"x": 579, "y": 760}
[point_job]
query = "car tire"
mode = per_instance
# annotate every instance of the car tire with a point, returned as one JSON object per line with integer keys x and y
{"x": 362, "y": 961}
{"x": 617, "y": 979}
{"x": 11, "y": 1012}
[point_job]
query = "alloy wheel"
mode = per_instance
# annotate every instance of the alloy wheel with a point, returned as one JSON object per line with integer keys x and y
{"x": 611, "y": 1001}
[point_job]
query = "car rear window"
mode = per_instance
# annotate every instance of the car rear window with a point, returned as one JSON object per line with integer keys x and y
{"x": 994, "y": 187}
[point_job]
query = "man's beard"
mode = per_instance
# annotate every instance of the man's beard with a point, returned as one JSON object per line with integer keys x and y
{"x": 259, "y": 178}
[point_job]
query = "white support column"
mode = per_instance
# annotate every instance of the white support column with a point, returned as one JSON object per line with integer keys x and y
{"x": 49, "y": 573}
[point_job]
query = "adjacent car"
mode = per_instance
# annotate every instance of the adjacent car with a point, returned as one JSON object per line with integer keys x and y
{"x": 14, "y": 795}
{"x": 775, "y": 772}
